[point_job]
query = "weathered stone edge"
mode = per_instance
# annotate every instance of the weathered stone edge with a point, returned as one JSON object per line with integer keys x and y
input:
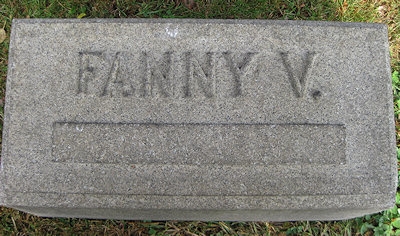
{"x": 391, "y": 114}
{"x": 201, "y": 215}
{"x": 6, "y": 115}
{"x": 204, "y": 21}
{"x": 364, "y": 201}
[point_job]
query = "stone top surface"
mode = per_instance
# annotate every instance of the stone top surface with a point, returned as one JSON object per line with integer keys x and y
{"x": 198, "y": 114}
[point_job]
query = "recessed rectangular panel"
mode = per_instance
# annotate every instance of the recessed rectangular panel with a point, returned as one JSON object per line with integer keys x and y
{"x": 199, "y": 144}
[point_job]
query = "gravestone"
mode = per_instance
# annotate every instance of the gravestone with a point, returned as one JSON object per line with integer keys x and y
{"x": 198, "y": 119}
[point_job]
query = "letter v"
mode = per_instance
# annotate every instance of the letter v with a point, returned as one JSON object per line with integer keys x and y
{"x": 298, "y": 83}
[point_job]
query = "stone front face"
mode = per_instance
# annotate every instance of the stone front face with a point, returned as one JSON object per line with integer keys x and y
{"x": 198, "y": 120}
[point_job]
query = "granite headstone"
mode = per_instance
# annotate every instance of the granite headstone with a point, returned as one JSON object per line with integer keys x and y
{"x": 184, "y": 119}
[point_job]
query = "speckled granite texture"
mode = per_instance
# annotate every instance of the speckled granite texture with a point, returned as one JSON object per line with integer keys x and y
{"x": 183, "y": 119}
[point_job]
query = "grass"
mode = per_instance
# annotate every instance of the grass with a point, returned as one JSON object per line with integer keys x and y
{"x": 382, "y": 11}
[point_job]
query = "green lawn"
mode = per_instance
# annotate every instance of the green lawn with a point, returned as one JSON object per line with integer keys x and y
{"x": 382, "y": 11}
